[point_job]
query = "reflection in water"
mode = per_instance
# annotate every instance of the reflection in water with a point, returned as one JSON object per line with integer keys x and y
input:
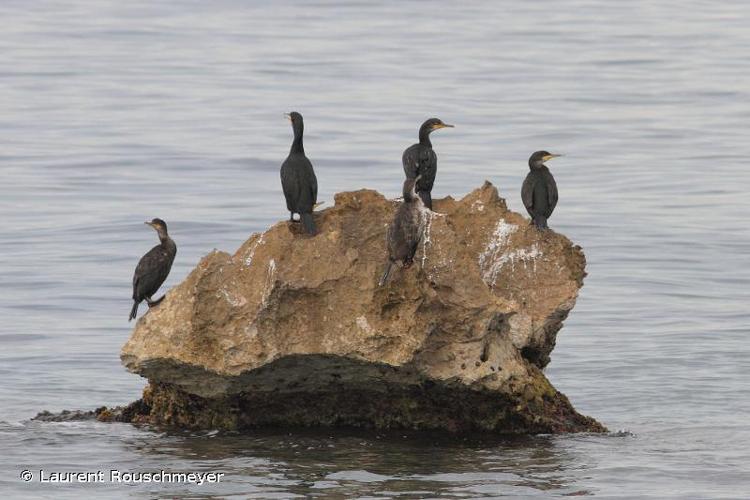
{"x": 360, "y": 464}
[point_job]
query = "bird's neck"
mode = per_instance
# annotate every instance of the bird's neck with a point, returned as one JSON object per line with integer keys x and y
{"x": 424, "y": 137}
{"x": 537, "y": 166}
{"x": 165, "y": 240}
{"x": 297, "y": 146}
{"x": 410, "y": 192}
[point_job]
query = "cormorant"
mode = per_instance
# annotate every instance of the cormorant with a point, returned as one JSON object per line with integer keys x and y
{"x": 153, "y": 268}
{"x": 405, "y": 232}
{"x": 420, "y": 160}
{"x": 539, "y": 191}
{"x": 298, "y": 178}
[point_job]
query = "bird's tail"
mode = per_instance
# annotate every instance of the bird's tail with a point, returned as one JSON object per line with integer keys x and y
{"x": 540, "y": 222}
{"x": 386, "y": 273}
{"x": 133, "y": 311}
{"x": 307, "y": 220}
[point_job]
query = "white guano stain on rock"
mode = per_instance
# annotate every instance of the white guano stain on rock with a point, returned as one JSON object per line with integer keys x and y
{"x": 496, "y": 256}
{"x": 269, "y": 281}
{"x": 426, "y": 235}
{"x": 363, "y": 324}
{"x": 232, "y": 299}
{"x": 491, "y": 259}
{"x": 251, "y": 331}
{"x": 524, "y": 255}
{"x": 251, "y": 253}
{"x": 426, "y": 239}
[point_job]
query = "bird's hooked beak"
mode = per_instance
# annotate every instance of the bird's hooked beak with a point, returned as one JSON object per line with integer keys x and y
{"x": 288, "y": 116}
{"x": 149, "y": 223}
{"x": 441, "y": 125}
{"x": 550, "y": 156}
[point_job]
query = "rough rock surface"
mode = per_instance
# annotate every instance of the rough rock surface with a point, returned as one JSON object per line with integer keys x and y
{"x": 294, "y": 330}
{"x": 132, "y": 413}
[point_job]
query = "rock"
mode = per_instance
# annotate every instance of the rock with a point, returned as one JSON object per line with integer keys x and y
{"x": 132, "y": 413}
{"x": 65, "y": 416}
{"x": 293, "y": 330}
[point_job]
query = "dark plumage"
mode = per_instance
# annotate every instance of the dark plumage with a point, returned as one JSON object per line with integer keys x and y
{"x": 298, "y": 178}
{"x": 405, "y": 232}
{"x": 420, "y": 160}
{"x": 153, "y": 268}
{"x": 539, "y": 191}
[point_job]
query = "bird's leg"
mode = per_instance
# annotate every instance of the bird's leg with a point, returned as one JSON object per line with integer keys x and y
{"x": 408, "y": 263}
{"x": 149, "y": 301}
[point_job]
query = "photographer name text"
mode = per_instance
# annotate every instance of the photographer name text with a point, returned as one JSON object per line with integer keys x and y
{"x": 125, "y": 477}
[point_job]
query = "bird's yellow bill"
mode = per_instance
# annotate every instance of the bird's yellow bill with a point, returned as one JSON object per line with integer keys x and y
{"x": 288, "y": 116}
{"x": 550, "y": 156}
{"x": 442, "y": 125}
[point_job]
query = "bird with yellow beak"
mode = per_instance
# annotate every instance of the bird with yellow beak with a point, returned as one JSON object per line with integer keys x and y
{"x": 420, "y": 160}
{"x": 539, "y": 191}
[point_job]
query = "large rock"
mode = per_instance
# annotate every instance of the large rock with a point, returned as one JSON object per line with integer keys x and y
{"x": 293, "y": 330}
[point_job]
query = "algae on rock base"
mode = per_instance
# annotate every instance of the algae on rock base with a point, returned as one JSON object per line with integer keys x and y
{"x": 295, "y": 331}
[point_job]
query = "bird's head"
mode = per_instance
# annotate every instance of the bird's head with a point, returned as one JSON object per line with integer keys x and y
{"x": 539, "y": 157}
{"x": 433, "y": 124}
{"x": 296, "y": 121}
{"x": 159, "y": 225}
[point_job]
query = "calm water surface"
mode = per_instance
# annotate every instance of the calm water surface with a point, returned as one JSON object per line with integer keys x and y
{"x": 116, "y": 112}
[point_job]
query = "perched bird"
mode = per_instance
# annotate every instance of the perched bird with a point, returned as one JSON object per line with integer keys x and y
{"x": 405, "y": 232}
{"x": 298, "y": 178}
{"x": 539, "y": 191}
{"x": 153, "y": 268}
{"x": 420, "y": 160}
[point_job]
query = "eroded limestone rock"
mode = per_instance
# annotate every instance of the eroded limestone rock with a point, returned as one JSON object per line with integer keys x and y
{"x": 293, "y": 330}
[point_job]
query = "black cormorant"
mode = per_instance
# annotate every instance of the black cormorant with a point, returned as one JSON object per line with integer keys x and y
{"x": 153, "y": 268}
{"x": 539, "y": 191}
{"x": 298, "y": 178}
{"x": 405, "y": 232}
{"x": 420, "y": 160}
